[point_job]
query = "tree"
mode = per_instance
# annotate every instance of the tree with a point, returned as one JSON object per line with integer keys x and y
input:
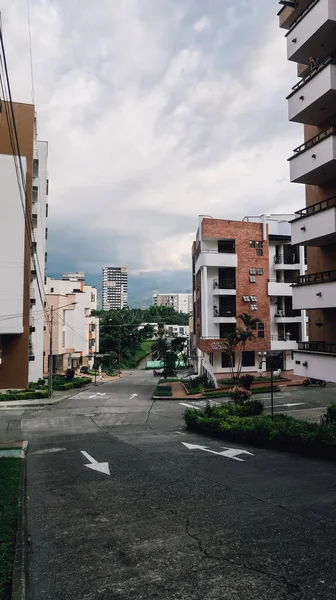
{"x": 245, "y": 334}
{"x": 229, "y": 347}
{"x": 160, "y": 347}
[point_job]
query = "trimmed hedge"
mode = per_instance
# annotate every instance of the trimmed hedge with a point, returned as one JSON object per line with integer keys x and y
{"x": 283, "y": 433}
{"x": 163, "y": 391}
{"x": 221, "y": 394}
{"x": 76, "y": 382}
{"x": 24, "y": 395}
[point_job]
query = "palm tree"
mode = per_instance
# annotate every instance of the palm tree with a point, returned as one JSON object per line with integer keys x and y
{"x": 160, "y": 347}
{"x": 229, "y": 346}
{"x": 245, "y": 334}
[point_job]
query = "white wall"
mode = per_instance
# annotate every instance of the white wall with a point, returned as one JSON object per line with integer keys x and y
{"x": 320, "y": 366}
{"x": 12, "y": 234}
{"x": 303, "y": 164}
{"x": 305, "y": 296}
{"x": 312, "y": 91}
{"x": 39, "y": 235}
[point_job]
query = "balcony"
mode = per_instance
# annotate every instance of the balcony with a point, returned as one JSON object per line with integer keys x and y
{"x": 32, "y": 296}
{"x": 313, "y": 99}
{"x": 313, "y": 33}
{"x": 276, "y": 288}
{"x": 290, "y": 11}
{"x": 315, "y": 225}
{"x": 224, "y": 288}
{"x": 224, "y": 316}
{"x": 209, "y": 258}
{"x": 317, "y": 360}
{"x": 283, "y": 343}
{"x": 31, "y": 324}
{"x": 314, "y": 162}
{"x": 289, "y": 262}
{"x": 288, "y": 316}
{"x": 315, "y": 291}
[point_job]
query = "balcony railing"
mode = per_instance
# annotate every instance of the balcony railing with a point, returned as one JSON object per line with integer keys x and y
{"x": 283, "y": 338}
{"x": 290, "y": 313}
{"x": 327, "y": 61}
{"x": 313, "y": 141}
{"x": 290, "y": 259}
{"x": 228, "y": 284}
{"x": 318, "y": 347}
{"x": 316, "y": 208}
{"x": 323, "y": 277}
{"x": 223, "y": 313}
{"x": 302, "y": 16}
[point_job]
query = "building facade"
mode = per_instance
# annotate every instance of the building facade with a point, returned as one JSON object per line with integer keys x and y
{"x": 115, "y": 288}
{"x": 180, "y": 302}
{"x": 245, "y": 267}
{"x": 75, "y": 328}
{"x": 311, "y": 43}
{"x": 23, "y": 234}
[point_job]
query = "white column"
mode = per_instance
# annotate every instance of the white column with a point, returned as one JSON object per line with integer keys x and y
{"x": 205, "y": 312}
{"x": 303, "y": 312}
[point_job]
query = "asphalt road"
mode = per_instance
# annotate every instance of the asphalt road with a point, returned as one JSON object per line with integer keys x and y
{"x": 169, "y": 521}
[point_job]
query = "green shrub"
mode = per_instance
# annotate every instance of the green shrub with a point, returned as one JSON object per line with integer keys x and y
{"x": 85, "y": 370}
{"x": 24, "y": 395}
{"x": 69, "y": 374}
{"x": 172, "y": 380}
{"x": 246, "y": 381}
{"x": 163, "y": 390}
{"x": 265, "y": 390}
{"x": 240, "y": 394}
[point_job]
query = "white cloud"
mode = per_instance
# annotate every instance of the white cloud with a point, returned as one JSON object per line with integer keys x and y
{"x": 150, "y": 124}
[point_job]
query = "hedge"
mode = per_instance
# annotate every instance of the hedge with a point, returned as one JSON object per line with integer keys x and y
{"x": 163, "y": 391}
{"x": 76, "y": 382}
{"x": 24, "y": 395}
{"x": 221, "y": 394}
{"x": 283, "y": 433}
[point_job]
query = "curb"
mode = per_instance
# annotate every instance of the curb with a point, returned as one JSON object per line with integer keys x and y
{"x": 19, "y": 581}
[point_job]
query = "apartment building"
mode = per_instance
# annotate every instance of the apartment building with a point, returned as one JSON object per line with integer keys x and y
{"x": 245, "y": 267}
{"x": 180, "y": 302}
{"x": 23, "y": 235}
{"x": 75, "y": 328}
{"x": 115, "y": 288}
{"x": 311, "y": 43}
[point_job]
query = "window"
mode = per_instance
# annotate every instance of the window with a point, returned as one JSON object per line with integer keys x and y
{"x": 261, "y": 330}
{"x": 248, "y": 359}
{"x": 63, "y": 339}
{"x": 260, "y": 271}
{"x": 252, "y": 244}
{"x": 259, "y": 244}
{"x": 259, "y": 252}
{"x": 226, "y": 246}
{"x": 253, "y": 307}
{"x": 253, "y": 298}
{"x": 253, "y": 271}
{"x": 51, "y": 290}
{"x": 93, "y": 298}
{"x": 226, "y": 362}
{"x": 253, "y": 279}
{"x": 247, "y": 298}
{"x": 211, "y": 358}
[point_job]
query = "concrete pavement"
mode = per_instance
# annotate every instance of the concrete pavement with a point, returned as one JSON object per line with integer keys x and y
{"x": 170, "y": 520}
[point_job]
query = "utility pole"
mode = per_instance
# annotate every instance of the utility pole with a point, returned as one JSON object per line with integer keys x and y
{"x": 119, "y": 357}
{"x": 51, "y": 351}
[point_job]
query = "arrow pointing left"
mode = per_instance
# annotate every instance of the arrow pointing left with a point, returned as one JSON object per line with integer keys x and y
{"x": 232, "y": 453}
{"x": 102, "y": 467}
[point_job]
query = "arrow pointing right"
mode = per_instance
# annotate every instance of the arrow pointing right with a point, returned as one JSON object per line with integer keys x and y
{"x": 102, "y": 467}
{"x": 232, "y": 453}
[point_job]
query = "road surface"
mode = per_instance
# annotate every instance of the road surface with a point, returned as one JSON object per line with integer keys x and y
{"x": 123, "y": 503}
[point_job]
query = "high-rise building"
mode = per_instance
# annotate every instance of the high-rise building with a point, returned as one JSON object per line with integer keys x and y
{"x": 115, "y": 288}
{"x": 245, "y": 267}
{"x": 23, "y": 234}
{"x": 179, "y": 302}
{"x": 75, "y": 328}
{"x": 311, "y": 43}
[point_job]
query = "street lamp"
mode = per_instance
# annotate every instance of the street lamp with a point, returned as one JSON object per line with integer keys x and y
{"x": 264, "y": 356}
{"x": 52, "y": 310}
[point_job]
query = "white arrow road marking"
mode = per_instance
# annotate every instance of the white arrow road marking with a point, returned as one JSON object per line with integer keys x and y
{"x": 102, "y": 467}
{"x": 287, "y": 405}
{"x": 228, "y": 452}
{"x": 190, "y": 405}
{"x": 98, "y": 394}
{"x": 134, "y": 396}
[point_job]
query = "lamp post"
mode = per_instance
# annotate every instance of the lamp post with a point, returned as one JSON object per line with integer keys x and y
{"x": 264, "y": 356}
{"x": 50, "y": 374}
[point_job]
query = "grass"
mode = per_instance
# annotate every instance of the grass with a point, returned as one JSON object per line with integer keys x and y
{"x": 222, "y": 394}
{"x": 133, "y": 357}
{"x": 10, "y": 469}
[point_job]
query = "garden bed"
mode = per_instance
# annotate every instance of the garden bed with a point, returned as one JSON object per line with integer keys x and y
{"x": 232, "y": 422}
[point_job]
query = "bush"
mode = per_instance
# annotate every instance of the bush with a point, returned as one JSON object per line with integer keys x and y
{"x": 282, "y": 433}
{"x": 84, "y": 370}
{"x": 69, "y": 374}
{"x": 246, "y": 381}
{"x": 239, "y": 394}
{"x": 163, "y": 390}
{"x": 24, "y": 395}
{"x": 330, "y": 417}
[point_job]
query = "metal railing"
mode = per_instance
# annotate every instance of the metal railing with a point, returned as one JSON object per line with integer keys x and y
{"x": 313, "y": 141}
{"x": 316, "y": 208}
{"x": 31, "y": 321}
{"x": 224, "y": 313}
{"x": 289, "y": 313}
{"x": 228, "y": 284}
{"x": 322, "y": 277}
{"x": 286, "y": 259}
{"x": 283, "y": 338}
{"x": 32, "y": 293}
{"x": 302, "y": 16}
{"x": 318, "y": 347}
{"x": 327, "y": 61}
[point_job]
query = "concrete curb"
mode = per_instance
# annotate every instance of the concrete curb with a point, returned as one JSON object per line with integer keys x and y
{"x": 19, "y": 580}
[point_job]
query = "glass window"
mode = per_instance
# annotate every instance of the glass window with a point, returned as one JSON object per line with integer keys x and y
{"x": 259, "y": 252}
{"x": 261, "y": 330}
{"x": 226, "y": 246}
{"x": 253, "y": 279}
{"x": 260, "y": 271}
{"x": 246, "y": 298}
{"x": 226, "y": 362}
{"x": 248, "y": 359}
{"x": 253, "y": 307}
{"x": 253, "y": 271}
{"x": 253, "y": 298}
{"x": 252, "y": 244}
{"x": 259, "y": 244}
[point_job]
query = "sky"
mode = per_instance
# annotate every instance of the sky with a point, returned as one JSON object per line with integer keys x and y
{"x": 156, "y": 111}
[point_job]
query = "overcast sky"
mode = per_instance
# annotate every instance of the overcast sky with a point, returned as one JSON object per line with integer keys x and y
{"x": 155, "y": 111}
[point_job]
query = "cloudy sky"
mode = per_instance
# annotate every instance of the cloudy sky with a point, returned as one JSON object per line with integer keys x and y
{"x": 155, "y": 111}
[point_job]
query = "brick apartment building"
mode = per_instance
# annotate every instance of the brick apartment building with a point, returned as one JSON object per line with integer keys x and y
{"x": 245, "y": 267}
{"x": 311, "y": 43}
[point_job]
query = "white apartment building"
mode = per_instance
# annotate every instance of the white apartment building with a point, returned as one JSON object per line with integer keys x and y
{"x": 23, "y": 233}
{"x": 115, "y": 288}
{"x": 179, "y": 302}
{"x": 311, "y": 45}
{"x": 75, "y": 328}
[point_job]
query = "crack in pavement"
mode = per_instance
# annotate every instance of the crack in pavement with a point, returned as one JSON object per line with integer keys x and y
{"x": 293, "y": 589}
{"x": 149, "y": 414}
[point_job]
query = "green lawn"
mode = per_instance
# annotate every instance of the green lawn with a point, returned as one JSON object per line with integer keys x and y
{"x": 10, "y": 469}
{"x": 132, "y": 358}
